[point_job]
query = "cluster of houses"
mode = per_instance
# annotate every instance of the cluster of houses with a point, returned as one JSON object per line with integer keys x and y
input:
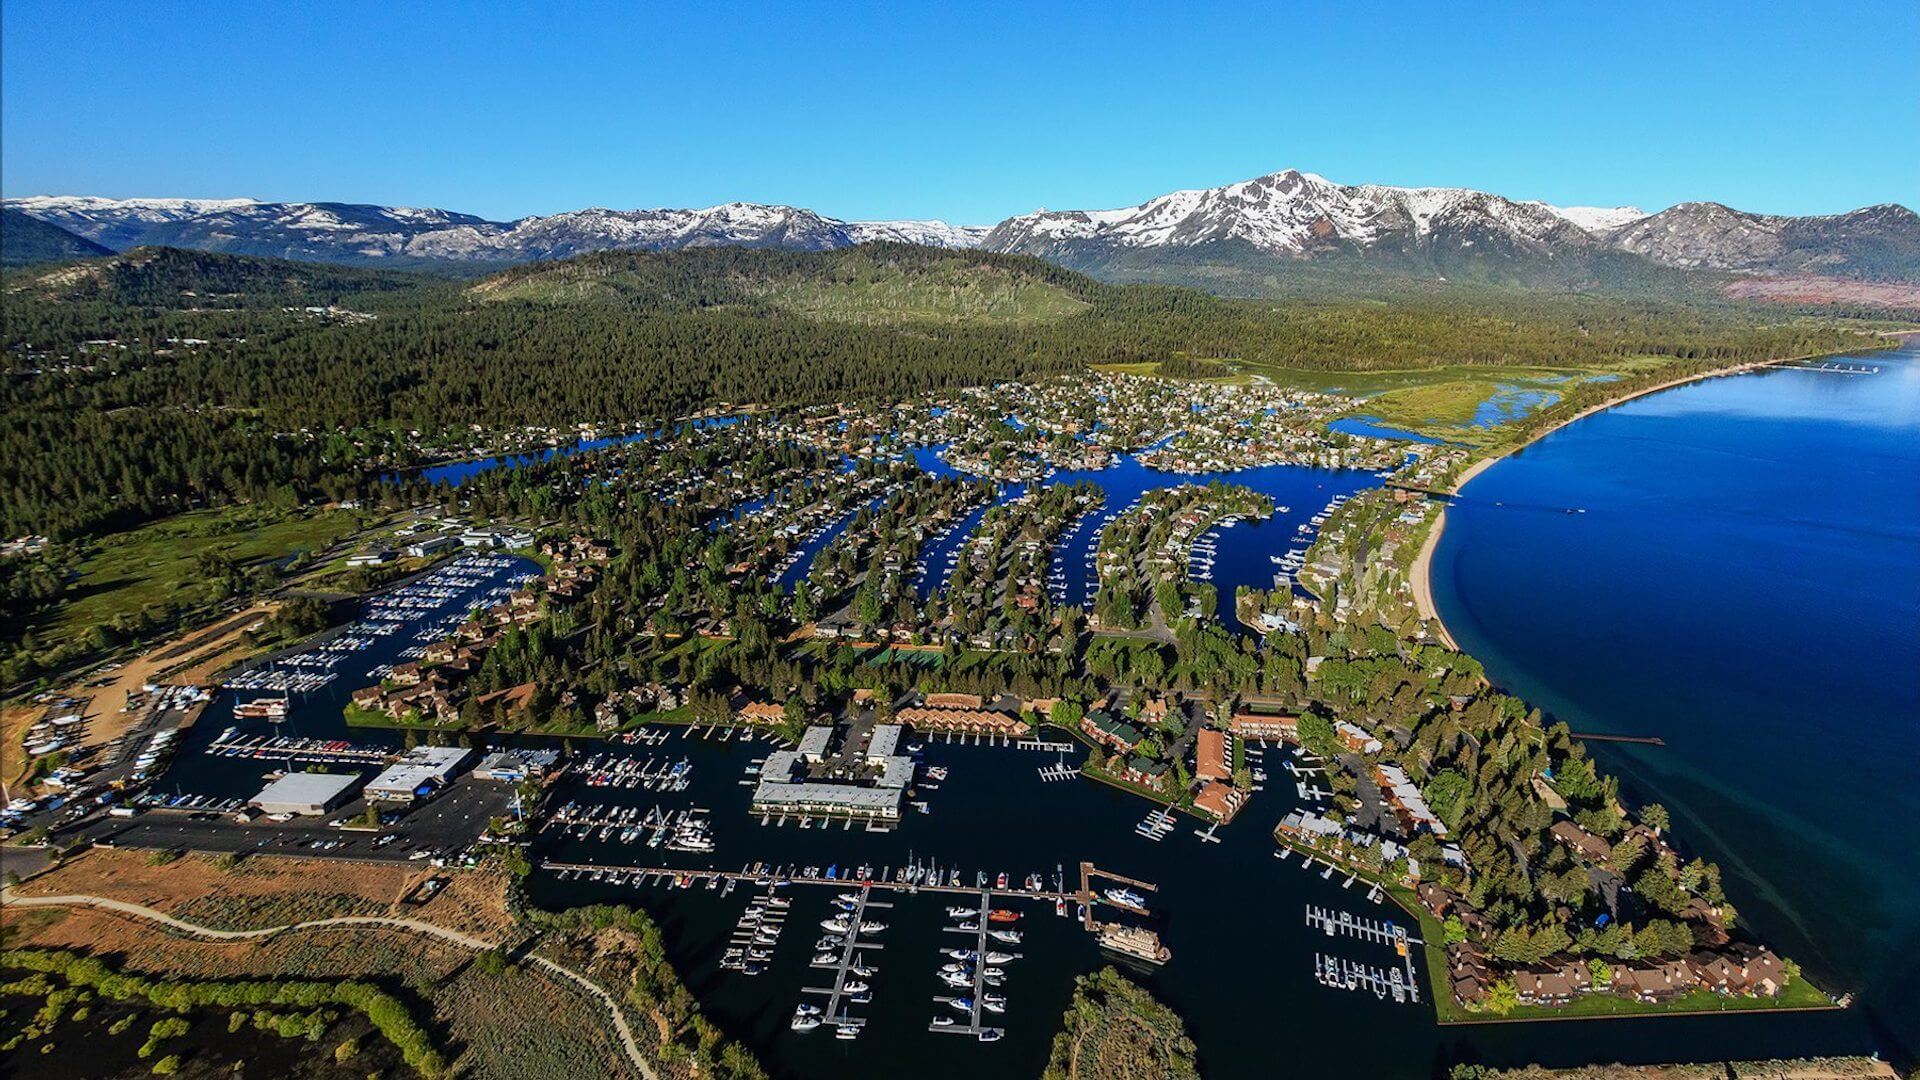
{"x": 1729, "y": 968}
{"x": 1213, "y": 792}
{"x": 623, "y": 705}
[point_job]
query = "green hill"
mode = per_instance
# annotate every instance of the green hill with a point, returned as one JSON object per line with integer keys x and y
{"x": 882, "y": 284}
{"x": 160, "y": 277}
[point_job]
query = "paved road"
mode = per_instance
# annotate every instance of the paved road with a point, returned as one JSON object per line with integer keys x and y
{"x": 441, "y": 933}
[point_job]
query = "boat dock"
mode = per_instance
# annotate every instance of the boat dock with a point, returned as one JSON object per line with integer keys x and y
{"x": 887, "y": 879}
{"x": 1045, "y": 746}
{"x": 1397, "y": 980}
{"x": 293, "y": 748}
{"x": 975, "y": 1003}
{"x": 849, "y": 962}
{"x": 1378, "y": 931}
{"x": 1339, "y": 974}
{"x": 1087, "y": 896}
{"x": 1053, "y": 773}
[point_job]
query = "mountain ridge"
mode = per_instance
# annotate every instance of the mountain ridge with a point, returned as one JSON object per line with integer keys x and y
{"x": 1261, "y": 228}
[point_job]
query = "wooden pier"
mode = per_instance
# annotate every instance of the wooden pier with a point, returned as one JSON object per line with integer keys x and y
{"x": 1644, "y": 740}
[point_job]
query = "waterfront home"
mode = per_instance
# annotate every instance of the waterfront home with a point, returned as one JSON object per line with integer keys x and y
{"x": 1651, "y": 982}
{"x": 1264, "y": 727}
{"x": 964, "y": 721}
{"x": 1110, "y": 731}
{"x": 1218, "y": 800}
{"x": 1210, "y": 761}
{"x": 1147, "y": 772}
{"x": 1591, "y": 847}
{"x": 1554, "y": 985}
{"x": 759, "y": 712}
{"x": 1742, "y": 969}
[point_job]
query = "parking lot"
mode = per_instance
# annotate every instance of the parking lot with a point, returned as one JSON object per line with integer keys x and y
{"x": 446, "y": 825}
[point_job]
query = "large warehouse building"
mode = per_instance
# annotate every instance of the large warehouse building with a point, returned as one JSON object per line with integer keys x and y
{"x": 306, "y": 793}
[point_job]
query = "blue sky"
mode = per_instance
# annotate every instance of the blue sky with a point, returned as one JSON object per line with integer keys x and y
{"x": 965, "y": 112}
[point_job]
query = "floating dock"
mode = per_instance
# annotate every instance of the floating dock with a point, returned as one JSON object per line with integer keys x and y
{"x": 973, "y": 1026}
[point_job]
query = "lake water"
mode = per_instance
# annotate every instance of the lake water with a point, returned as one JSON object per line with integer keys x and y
{"x": 1244, "y": 551}
{"x": 459, "y": 472}
{"x": 1744, "y": 582}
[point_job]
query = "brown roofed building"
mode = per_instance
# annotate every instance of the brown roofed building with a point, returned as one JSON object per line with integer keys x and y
{"x": 1219, "y": 801}
{"x": 1593, "y": 847}
{"x": 1264, "y": 727}
{"x": 1210, "y": 756}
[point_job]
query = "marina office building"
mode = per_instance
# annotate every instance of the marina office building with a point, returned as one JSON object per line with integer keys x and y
{"x": 811, "y": 781}
{"x": 419, "y": 773}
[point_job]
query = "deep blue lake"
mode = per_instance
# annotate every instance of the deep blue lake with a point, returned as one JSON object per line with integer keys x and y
{"x": 1745, "y": 584}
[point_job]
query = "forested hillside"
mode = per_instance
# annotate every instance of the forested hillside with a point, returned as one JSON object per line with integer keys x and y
{"x": 25, "y": 239}
{"x": 157, "y": 380}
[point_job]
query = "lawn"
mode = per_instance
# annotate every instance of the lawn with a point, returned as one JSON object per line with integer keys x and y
{"x": 158, "y": 562}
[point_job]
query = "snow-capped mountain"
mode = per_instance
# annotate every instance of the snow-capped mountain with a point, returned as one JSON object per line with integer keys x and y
{"x": 352, "y": 232}
{"x": 926, "y": 233}
{"x": 1300, "y": 214}
{"x": 1249, "y": 231}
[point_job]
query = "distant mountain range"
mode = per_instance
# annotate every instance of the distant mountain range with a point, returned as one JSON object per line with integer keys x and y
{"x": 1232, "y": 237}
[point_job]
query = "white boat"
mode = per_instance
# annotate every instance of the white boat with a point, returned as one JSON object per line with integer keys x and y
{"x": 805, "y": 1023}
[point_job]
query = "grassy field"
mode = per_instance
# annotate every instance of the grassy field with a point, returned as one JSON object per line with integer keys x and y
{"x": 126, "y": 572}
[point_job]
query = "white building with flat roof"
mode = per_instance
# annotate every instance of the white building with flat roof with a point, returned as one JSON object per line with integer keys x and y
{"x": 305, "y": 793}
{"x": 419, "y": 773}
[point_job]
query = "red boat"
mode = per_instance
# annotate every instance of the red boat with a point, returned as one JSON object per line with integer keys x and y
{"x": 1002, "y": 915}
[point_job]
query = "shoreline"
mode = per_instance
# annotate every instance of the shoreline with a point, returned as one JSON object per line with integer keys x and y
{"x": 1421, "y": 572}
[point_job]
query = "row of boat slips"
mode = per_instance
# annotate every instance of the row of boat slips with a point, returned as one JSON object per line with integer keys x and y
{"x": 755, "y": 935}
{"x": 677, "y": 830}
{"x": 841, "y": 951}
{"x": 977, "y": 971}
